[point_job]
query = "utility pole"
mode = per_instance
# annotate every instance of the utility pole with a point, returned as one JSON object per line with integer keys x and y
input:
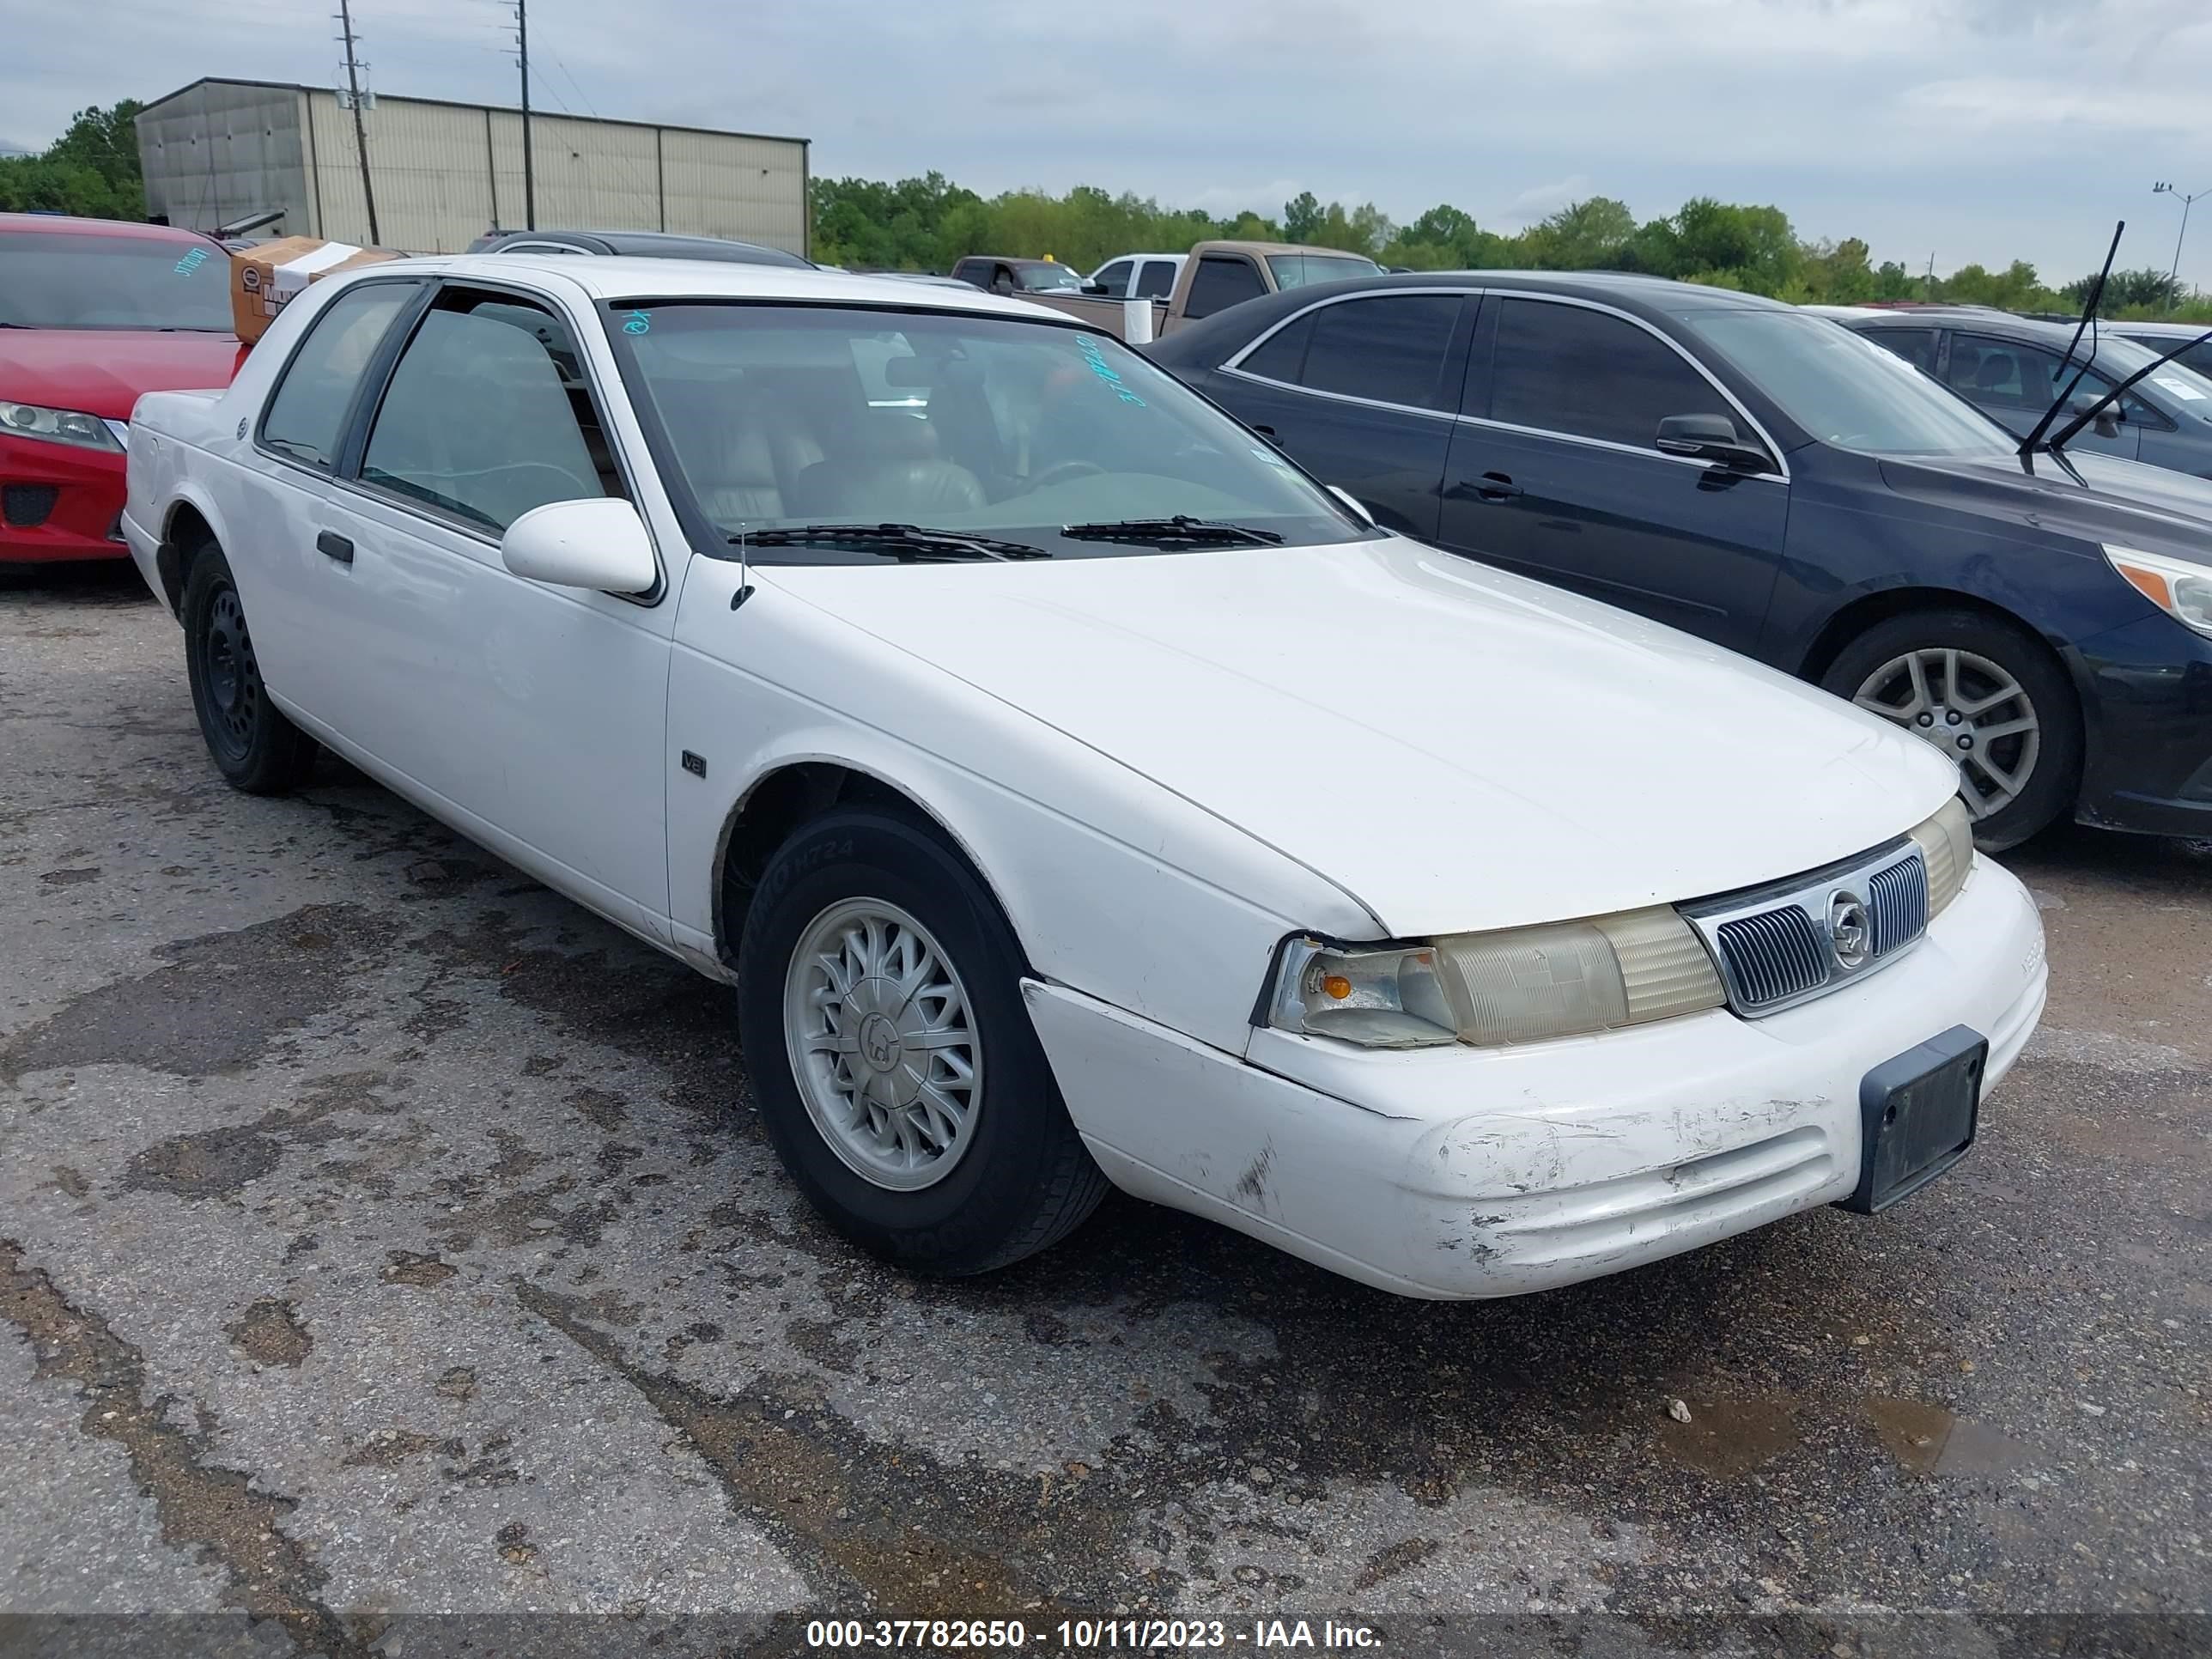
{"x": 529, "y": 177}
{"x": 2173, "y": 276}
{"x": 353, "y": 66}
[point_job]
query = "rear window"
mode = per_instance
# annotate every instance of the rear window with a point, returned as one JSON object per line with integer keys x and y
{"x": 67, "y": 280}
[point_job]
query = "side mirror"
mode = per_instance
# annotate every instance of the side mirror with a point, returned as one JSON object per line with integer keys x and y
{"x": 1358, "y": 507}
{"x": 1099, "y": 288}
{"x": 599, "y": 543}
{"x": 2107, "y": 423}
{"x": 1710, "y": 438}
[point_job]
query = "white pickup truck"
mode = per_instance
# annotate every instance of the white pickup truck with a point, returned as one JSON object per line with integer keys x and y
{"x": 1215, "y": 276}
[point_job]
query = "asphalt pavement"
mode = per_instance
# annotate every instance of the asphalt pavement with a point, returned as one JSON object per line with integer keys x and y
{"x": 383, "y": 1237}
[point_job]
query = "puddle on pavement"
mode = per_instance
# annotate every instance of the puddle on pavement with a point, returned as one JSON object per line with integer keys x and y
{"x": 1929, "y": 1440}
{"x": 1727, "y": 1439}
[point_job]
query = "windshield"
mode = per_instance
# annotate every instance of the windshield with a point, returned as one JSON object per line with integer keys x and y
{"x": 1846, "y": 389}
{"x": 1298, "y": 270}
{"x": 778, "y": 417}
{"x": 68, "y": 280}
{"x": 1038, "y": 279}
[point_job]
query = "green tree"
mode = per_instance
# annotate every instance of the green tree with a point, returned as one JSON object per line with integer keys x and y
{"x": 91, "y": 169}
{"x": 1586, "y": 235}
{"x": 1302, "y": 217}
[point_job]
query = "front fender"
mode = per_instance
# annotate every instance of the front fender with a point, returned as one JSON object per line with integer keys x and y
{"x": 1115, "y": 887}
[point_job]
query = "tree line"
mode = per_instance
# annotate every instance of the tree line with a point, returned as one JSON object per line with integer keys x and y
{"x": 927, "y": 223}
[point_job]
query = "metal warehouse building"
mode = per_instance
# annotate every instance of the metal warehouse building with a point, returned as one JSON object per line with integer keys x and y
{"x": 442, "y": 174}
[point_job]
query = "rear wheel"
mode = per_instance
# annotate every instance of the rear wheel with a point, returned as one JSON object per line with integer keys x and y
{"x": 892, "y": 1059}
{"x": 1988, "y": 696}
{"x": 252, "y": 745}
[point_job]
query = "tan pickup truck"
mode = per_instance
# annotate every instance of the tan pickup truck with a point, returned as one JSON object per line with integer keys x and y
{"x": 1218, "y": 275}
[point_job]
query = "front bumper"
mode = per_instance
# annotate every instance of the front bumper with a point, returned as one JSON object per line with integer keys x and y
{"x": 1457, "y": 1173}
{"x": 2148, "y": 691}
{"x": 59, "y": 503}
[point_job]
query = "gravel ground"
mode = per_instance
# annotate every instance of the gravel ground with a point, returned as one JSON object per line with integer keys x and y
{"x": 382, "y": 1238}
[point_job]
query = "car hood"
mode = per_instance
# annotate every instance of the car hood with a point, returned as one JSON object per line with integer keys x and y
{"x": 2098, "y": 498}
{"x": 1456, "y": 747}
{"x": 102, "y": 370}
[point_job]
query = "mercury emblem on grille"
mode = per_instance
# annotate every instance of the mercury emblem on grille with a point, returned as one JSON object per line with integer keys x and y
{"x": 1851, "y": 934}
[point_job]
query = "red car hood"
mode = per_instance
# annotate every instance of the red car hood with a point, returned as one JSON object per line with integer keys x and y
{"x": 102, "y": 370}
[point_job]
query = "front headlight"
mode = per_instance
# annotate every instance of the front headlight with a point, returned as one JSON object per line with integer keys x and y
{"x": 2182, "y": 590}
{"x": 1947, "y": 847}
{"x": 60, "y": 426}
{"x": 1520, "y": 985}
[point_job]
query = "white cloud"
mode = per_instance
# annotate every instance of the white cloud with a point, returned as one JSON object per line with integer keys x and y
{"x": 1983, "y": 130}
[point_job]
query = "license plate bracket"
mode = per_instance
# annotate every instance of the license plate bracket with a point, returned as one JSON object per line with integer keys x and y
{"x": 1918, "y": 1114}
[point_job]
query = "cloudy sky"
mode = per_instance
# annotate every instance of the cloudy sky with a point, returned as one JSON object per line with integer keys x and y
{"x": 1966, "y": 129}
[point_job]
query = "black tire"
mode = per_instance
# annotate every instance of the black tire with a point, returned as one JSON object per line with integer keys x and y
{"x": 2054, "y": 775}
{"x": 1024, "y": 1180}
{"x": 254, "y": 747}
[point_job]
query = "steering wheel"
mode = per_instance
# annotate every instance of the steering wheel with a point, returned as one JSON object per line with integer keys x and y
{"x": 1061, "y": 472}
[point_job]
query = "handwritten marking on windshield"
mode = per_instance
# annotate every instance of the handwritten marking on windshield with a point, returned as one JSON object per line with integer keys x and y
{"x": 1104, "y": 370}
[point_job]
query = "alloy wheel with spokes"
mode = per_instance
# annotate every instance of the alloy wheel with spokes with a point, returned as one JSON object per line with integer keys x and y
{"x": 876, "y": 972}
{"x": 882, "y": 1042}
{"x": 1969, "y": 707}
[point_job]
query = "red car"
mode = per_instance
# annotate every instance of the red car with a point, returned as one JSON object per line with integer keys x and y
{"x": 93, "y": 312}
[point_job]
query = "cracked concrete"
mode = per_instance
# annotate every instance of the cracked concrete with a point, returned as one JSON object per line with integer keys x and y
{"x": 416, "y": 1228}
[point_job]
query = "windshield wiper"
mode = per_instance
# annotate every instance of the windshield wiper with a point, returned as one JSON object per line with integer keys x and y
{"x": 1180, "y": 528}
{"x": 892, "y": 541}
{"x": 2029, "y": 444}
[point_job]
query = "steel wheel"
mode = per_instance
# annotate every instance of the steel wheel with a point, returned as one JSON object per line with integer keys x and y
{"x": 229, "y": 676}
{"x": 1971, "y": 708}
{"x": 887, "y": 1058}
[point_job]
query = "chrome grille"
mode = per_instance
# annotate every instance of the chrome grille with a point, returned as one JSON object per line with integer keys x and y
{"x": 1777, "y": 945}
{"x": 1774, "y": 956}
{"x": 1897, "y": 898}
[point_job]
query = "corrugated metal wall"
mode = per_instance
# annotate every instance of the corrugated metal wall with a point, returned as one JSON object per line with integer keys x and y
{"x": 219, "y": 151}
{"x": 445, "y": 173}
{"x": 726, "y": 185}
{"x": 426, "y": 162}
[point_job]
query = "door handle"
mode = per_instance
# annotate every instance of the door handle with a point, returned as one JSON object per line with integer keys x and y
{"x": 333, "y": 545}
{"x": 1490, "y": 486}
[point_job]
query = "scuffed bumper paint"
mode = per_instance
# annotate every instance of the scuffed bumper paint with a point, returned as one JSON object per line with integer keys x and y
{"x": 1460, "y": 1173}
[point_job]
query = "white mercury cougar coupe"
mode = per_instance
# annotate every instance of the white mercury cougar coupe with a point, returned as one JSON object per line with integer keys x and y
{"x": 1075, "y": 791}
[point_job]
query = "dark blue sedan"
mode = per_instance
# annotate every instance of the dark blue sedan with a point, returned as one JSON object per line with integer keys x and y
{"x": 1774, "y": 482}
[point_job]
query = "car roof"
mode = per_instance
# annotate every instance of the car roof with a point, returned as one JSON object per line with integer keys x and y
{"x": 1980, "y": 318}
{"x": 665, "y": 243}
{"x": 2161, "y": 330}
{"x": 70, "y": 225}
{"x": 620, "y": 277}
{"x": 1014, "y": 259}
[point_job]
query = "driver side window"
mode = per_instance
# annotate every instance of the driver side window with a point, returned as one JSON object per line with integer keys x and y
{"x": 488, "y": 415}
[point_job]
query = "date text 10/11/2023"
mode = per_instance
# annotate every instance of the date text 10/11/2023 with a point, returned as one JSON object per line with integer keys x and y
{"x": 1087, "y": 1635}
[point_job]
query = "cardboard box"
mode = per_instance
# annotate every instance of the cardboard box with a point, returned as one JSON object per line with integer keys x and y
{"x": 264, "y": 278}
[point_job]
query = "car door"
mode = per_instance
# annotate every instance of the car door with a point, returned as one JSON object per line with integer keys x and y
{"x": 1222, "y": 280}
{"x": 1554, "y": 470}
{"x": 285, "y": 493}
{"x": 2014, "y": 381}
{"x": 1113, "y": 280}
{"x": 537, "y": 712}
{"x": 1156, "y": 280}
{"x": 1360, "y": 392}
